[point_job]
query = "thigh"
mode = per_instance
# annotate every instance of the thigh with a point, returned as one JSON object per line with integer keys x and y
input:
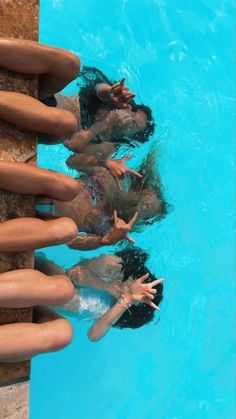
{"x": 22, "y": 341}
{"x": 24, "y": 234}
{"x": 27, "y": 179}
{"x": 29, "y": 113}
{"x": 56, "y": 67}
{"x": 28, "y": 287}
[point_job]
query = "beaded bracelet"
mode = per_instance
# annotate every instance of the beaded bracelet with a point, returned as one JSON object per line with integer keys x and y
{"x": 127, "y": 302}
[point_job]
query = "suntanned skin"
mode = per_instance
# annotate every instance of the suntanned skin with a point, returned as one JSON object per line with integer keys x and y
{"x": 26, "y": 288}
{"x": 56, "y": 68}
{"x": 27, "y": 179}
{"x": 49, "y": 332}
{"x": 85, "y": 214}
{"x": 30, "y": 233}
{"x": 133, "y": 291}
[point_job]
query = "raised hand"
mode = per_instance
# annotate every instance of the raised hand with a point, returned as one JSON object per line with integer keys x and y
{"x": 139, "y": 291}
{"x": 120, "y": 230}
{"x": 118, "y": 169}
{"x": 121, "y": 95}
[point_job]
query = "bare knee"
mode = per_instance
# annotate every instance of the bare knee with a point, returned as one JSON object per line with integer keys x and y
{"x": 66, "y": 123}
{"x": 61, "y": 187}
{"x": 63, "y": 230}
{"x": 64, "y": 290}
{"x": 70, "y": 189}
{"x": 64, "y": 63}
{"x": 73, "y": 65}
{"x": 61, "y": 336}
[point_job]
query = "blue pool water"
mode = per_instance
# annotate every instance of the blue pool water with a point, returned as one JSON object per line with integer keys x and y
{"x": 177, "y": 56}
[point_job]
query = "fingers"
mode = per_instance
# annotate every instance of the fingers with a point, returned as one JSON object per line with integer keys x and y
{"x": 133, "y": 172}
{"x": 133, "y": 220}
{"x": 156, "y": 282}
{"x": 151, "y": 304}
{"x": 130, "y": 239}
{"x": 150, "y": 296}
{"x": 129, "y": 96}
{"x": 115, "y": 86}
{"x": 143, "y": 278}
{"x": 118, "y": 86}
{"x": 151, "y": 290}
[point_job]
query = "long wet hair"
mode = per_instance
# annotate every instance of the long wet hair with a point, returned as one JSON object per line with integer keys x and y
{"x": 133, "y": 263}
{"x": 89, "y": 104}
{"x": 126, "y": 202}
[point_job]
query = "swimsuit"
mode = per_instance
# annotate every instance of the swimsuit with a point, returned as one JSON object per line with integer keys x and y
{"x": 50, "y": 101}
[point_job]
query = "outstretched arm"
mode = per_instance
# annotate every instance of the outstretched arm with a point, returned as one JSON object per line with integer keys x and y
{"x": 89, "y": 164}
{"x": 106, "y": 321}
{"x": 85, "y": 242}
{"x": 79, "y": 140}
{"x": 118, "y": 232}
{"x": 82, "y": 276}
{"x": 137, "y": 292}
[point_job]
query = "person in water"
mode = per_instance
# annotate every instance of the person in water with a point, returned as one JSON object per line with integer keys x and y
{"x": 58, "y": 118}
{"x": 55, "y": 68}
{"x": 109, "y": 114}
{"x": 132, "y": 301}
{"x": 100, "y": 202}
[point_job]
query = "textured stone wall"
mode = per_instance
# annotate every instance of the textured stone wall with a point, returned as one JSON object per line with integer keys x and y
{"x": 18, "y": 19}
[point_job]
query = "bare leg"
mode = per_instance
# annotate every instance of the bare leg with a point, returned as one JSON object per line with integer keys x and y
{"x": 56, "y": 67}
{"x": 26, "y": 179}
{"x": 28, "y": 287}
{"x": 29, "y": 113}
{"x": 22, "y": 341}
{"x": 31, "y": 233}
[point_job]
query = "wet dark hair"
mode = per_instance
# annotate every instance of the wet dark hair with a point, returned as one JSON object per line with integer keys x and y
{"x": 133, "y": 262}
{"x": 89, "y": 104}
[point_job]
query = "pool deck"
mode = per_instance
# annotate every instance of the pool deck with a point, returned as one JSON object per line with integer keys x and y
{"x": 19, "y": 19}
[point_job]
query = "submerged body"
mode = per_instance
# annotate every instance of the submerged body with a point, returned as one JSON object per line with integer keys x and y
{"x": 118, "y": 294}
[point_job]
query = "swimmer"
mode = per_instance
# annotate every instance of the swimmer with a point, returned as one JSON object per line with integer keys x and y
{"x": 133, "y": 301}
{"x": 55, "y": 68}
{"x": 29, "y": 233}
{"x": 103, "y": 213}
{"x": 109, "y": 114}
{"x": 140, "y": 195}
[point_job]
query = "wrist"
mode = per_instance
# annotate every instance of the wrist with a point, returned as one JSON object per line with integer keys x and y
{"x": 126, "y": 295}
{"x": 105, "y": 240}
{"x": 124, "y": 302}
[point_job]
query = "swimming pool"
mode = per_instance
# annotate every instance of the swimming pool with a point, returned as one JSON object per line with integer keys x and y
{"x": 177, "y": 56}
